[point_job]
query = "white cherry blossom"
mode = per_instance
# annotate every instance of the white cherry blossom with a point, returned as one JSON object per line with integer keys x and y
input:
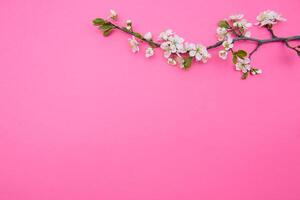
{"x": 243, "y": 24}
{"x": 134, "y": 44}
{"x": 223, "y": 54}
{"x": 168, "y": 48}
{"x": 149, "y": 52}
{"x": 129, "y": 25}
{"x": 178, "y": 42}
{"x": 199, "y": 52}
{"x": 172, "y": 44}
{"x": 221, "y": 33}
{"x": 113, "y": 14}
{"x": 269, "y": 17}
{"x": 243, "y": 65}
{"x": 165, "y": 35}
{"x": 180, "y": 61}
{"x": 148, "y": 36}
{"x": 172, "y": 61}
{"x": 256, "y": 71}
{"x": 228, "y": 44}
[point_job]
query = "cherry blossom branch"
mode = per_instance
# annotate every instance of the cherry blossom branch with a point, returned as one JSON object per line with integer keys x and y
{"x": 179, "y": 52}
{"x": 259, "y": 42}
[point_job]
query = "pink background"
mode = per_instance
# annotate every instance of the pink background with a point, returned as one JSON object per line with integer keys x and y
{"x": 81, "y": 117}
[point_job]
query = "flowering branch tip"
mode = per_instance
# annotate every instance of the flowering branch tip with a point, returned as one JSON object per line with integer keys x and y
{"x": 179, "y": 52}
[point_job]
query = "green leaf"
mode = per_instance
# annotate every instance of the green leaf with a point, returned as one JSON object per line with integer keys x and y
{"x": 107, "y": 32}
{"x": 298, "y": 52}
{"x": 223, "y": 24}
{"x": 187, "y": 62}
{"x": 240, "y": 53}
{"x": 99, "y": 21}
{"x": 107, "y": 26}
{"x": 245, "y": 75}
{"x": 234, "y": 59}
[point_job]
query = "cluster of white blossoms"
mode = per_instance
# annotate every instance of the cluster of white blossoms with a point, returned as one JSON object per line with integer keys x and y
{"x": 269, "y": 18}
{"x": 234, "y": 25}
{"x": 244, "y": 65}
{"x": 240, "y": 25}
{"x": 174, "y": 45}
{"x": 228, "y": 45}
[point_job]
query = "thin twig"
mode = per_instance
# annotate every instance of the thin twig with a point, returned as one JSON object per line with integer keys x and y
{"x": 254, "y": 50}
{"x": 271, "y": 32}
{"x": 150, "y": 42}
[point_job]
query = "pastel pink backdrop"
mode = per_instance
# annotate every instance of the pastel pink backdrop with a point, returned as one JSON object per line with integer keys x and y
{"x": 81, "y": 117}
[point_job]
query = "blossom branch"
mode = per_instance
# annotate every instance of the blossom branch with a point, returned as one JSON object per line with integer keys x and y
{"x": 179, "y": 52}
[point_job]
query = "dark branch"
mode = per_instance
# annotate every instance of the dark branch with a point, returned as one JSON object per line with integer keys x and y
{"x": 259, "y": 42}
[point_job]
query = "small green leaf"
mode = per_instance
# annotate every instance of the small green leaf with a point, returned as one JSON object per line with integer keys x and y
{"x": 240, "y": 53}
{"x": 234, "y": 59}
{"x": 107, "y": 32}
{"x": 99, "y": 21}
{"x": 107, "y": 26}
{"x": 245, "y": 75}
{"x": 298, "y": 52}
{"x": 223, "y": 24}
{"x": 187, "y": 62}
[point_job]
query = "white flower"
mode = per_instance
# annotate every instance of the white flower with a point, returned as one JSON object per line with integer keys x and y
{"x": 173, "y": 44}
{"x": 165, "y": 35}
{"x": 221, "y": 33}
{"x": 168, "y": 48}
{"x": 243, "y": 24}
{"x": 134, "y": 44}
{"x": 236, "y": 17}
{"x": 223, "y": 54}
{"x": 149, "y": 52}
{"x": 199, "y": 52}
{"x": 148, "y": 36}
{"x": 172, "y": 61}
{"x": 129, "y": 24}
{"x": 256, "y": 71}
{"x": 228, "y": 44}
{"x": 243, "y": 65}
{"x": 113, "y": 14}
{"x": 180, "y": 61}
{"x": 178, "y": 42}
{"x": 187, "y": 46}
{"x": 269, "y": 17}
